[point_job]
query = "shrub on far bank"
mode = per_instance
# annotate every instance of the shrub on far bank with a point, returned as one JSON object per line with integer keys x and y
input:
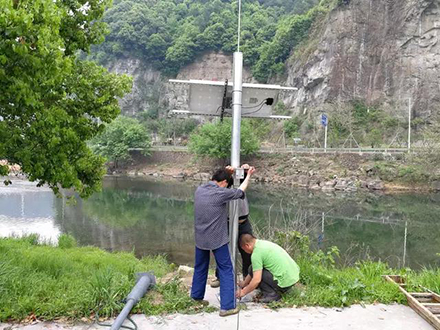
{"x": 119, "y": 137}
{"x": 214, "y": 140}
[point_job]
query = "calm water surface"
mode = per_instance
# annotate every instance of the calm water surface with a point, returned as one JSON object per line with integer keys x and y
{"x": 152, "y": 217}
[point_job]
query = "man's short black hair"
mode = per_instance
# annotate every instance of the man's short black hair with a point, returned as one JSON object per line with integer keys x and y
{"x": 246, "y": 239}
{"x": 220, "y": 175}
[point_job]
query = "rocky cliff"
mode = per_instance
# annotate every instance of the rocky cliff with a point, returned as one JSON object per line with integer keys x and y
{"x": 381, "y": 51}
{"x": 150, "y": 87}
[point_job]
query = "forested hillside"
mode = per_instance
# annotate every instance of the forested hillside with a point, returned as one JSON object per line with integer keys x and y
{"x": 171, "y": 33}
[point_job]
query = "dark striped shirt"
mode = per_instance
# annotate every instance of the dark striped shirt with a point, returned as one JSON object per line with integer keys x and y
{"x": 211, "y": 215}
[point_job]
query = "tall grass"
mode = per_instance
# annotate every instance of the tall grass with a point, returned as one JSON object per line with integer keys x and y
{"x": 71, "y": 282}
{"x": 51, "y": 282}
{"x": 326, "y": 282}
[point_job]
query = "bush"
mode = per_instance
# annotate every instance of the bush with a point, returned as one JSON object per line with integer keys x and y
{"x": 214, "y": 140}
{"x": 119, "y": 136}
{"x": 292, "y": 126}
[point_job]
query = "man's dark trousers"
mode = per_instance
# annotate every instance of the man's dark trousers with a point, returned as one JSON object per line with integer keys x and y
{"x": 269, "y": 285}
{"x": 226, "y": 276}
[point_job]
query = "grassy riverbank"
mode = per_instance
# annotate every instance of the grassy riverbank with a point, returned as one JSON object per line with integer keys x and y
{"x": 40, "y": 281}
{"x": 325, "y": 284}
{"x": 46, "y": 282}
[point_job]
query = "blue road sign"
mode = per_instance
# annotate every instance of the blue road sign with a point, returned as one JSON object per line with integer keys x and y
{"x": 324, "y": 120}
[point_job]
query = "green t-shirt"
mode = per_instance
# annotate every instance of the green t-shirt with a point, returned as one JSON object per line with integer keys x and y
{"x": 276, "y": 260}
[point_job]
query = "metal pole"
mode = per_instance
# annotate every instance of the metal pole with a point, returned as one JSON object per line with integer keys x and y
{"x": 404, "y": 243}
{"x": 325, "y": 138}
{"x": 409, "y": 125}
{"x": 235, "y": 151}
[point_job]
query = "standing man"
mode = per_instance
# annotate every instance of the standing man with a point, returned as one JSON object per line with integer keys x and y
{"x": 244, "y": 227}
{"x": 211, "y": 234}
{"x": 273, "y": 271}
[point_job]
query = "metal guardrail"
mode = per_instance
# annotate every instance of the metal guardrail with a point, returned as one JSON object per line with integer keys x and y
{"x": 335, "y": 150}
{"x": 270, "y": 150}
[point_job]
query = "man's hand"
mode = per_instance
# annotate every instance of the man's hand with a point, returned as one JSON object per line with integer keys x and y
{"x": 245, "y": 166}
{"x": 251, "y": 170}
{"x": 230, "y": 169}
{"x": 241, "y": 284}
{"x": 239, "y": 293}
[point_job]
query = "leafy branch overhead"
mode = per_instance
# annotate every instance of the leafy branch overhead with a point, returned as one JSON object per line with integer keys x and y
{"x": 51, "y": 103}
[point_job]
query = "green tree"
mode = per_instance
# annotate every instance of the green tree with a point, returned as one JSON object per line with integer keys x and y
{"x": 51, "y": 103}
{"x": 214, "y": 140}
{"x": 292, "y": 126}
{"x": 119, "y": 137}
{"x": 171, "y": 33}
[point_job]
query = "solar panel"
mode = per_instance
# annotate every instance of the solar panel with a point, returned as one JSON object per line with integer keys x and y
{"x": 206, "y": 98}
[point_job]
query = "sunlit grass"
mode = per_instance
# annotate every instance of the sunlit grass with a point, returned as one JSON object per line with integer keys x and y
{"x": 74, "y": 282}
{"x": 325, "y": 282}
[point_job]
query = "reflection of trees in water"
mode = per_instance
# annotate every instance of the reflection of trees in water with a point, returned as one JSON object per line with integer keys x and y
{"x": 358, "y": 238}
{"x": 158, "y": 217}
{"x": 127, "y": 220}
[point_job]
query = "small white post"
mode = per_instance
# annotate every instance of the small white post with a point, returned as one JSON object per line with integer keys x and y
{"x": 325, "y": 138}
{"x": 404, "y": 243}
{"x": 409, "y": 125}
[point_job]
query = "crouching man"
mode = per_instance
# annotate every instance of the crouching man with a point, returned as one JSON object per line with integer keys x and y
{"x": 273, "y": 271}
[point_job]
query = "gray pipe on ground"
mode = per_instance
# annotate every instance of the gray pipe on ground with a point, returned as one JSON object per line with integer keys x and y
{"x": 144, "y": 282}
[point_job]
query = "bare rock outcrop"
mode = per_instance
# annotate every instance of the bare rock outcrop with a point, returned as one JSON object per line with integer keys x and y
{"x": 380, "y": 51}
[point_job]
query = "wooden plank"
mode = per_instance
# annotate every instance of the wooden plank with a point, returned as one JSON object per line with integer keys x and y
{"x": 420, "y": 294}
{"x": 424, "y": 300}
{"x": 433, "y": 307}
{"x": 414, "y": 304}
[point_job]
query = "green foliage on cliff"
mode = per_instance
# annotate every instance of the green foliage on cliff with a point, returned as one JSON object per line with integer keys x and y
{"x": 51, "y": 103}
{"x": 371, "y": 126}
{"x": 171, "y": 33}
{"x": 115, "y": 141}
{"x": 214, "y": 140}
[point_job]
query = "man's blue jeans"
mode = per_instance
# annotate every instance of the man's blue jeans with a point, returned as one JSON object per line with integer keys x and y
{"x": 226, "y": 276}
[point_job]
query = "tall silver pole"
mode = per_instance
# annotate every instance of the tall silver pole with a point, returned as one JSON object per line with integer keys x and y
{"x": 235, "y": 151}
{"x": 409, "y": 125}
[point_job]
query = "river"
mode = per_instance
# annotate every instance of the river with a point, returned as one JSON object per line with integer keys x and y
{"x": 156, "y": 217}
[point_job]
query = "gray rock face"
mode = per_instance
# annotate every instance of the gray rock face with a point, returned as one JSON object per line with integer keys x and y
{"x": 375, "y": 185}
{"x": 147, "y": 85}
{"x": 436, "y": 185}
{"x": 380, "y": 51}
